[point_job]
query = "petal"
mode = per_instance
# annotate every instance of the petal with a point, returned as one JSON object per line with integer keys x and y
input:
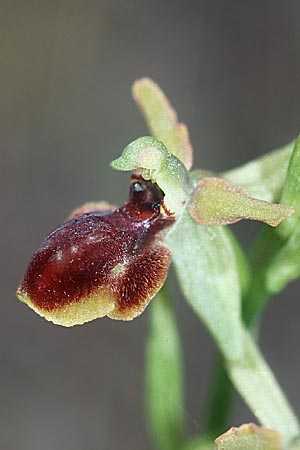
{"x": 216, "y": 201}
{"x": 144, "y": 276}
{"x": 97, "y": 264}
{"x": 162, "y": 119}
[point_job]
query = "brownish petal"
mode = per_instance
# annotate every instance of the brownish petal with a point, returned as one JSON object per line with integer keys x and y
{"x": 99, "y": 263}
{"x": 142, "y": 278}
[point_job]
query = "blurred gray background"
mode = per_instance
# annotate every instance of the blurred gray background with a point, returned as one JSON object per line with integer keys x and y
{"x": 232, "y": 70}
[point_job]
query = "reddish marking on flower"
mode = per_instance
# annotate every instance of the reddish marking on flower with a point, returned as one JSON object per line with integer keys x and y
{"x": 119, "y": 252}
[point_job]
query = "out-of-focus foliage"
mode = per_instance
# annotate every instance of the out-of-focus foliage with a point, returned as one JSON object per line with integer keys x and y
{"x": 164, "y": 379}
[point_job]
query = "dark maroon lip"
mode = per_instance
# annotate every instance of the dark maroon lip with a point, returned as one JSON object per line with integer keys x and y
{"x": 118, "y": 251}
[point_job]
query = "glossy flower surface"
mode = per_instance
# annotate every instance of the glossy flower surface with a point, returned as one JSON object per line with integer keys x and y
{"x": 102, "y": 262}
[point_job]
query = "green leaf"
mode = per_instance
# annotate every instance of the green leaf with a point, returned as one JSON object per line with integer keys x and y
{"x": 205, "y": 263}
{"x": 249, "y": 437}
{"x": 257, "y": 295}
{"x": 264, "y": 177}
{"x": 157, "y": 164}
{"x": 162, "y": 119}
{"x": 291, "y": 191}
{"x": 285, "y": 264}
{"x": 215, "y": 201}
{"x": 164, "y": 379}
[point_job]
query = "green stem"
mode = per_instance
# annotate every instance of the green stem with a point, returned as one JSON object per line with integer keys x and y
{"x": 165, "y": 403}
{"x": 220, "y": 400}
{"x": 257, "y": 385}
{"x": 255, "y": 298}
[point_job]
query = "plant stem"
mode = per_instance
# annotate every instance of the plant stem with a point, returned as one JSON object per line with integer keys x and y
{"x": 220, "y": 400}
{"x": 257, "y": 295}
{"x": 254, "y": 301}
{"x": 257, "y": 385}
{"x": 165, "y": 403}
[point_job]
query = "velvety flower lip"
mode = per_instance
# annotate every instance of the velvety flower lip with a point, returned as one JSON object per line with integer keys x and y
{"x": 102, "y": 261}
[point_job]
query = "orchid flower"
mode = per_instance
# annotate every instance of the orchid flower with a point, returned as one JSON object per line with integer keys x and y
{"x": 112, "y": 261}
{"x": 109, "y": 261}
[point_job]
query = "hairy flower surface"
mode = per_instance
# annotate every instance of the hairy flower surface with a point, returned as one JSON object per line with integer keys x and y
{"x": 101, "y": 261}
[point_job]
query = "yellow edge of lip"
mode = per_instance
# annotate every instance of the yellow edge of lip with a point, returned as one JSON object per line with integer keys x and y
{"x": 90, "y": 308}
